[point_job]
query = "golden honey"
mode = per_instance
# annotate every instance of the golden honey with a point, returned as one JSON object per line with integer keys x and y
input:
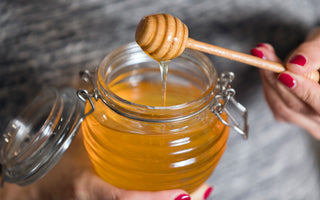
{"x": 135, "y": 142}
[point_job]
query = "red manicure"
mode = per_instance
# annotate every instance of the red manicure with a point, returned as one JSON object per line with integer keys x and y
{"x": 183, "y": 197}
{"x": 299, "y": 60}
{"x": 287, "y": 80}
{"x": 257, "y": 52}
{"x": 261, "y": 45}
{"x": 207, "y": 193}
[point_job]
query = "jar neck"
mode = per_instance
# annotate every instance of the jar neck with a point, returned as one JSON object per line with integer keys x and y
{"x": 190, "y": 68}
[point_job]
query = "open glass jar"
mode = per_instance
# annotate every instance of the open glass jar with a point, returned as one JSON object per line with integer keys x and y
{"x": 134, "y": 139}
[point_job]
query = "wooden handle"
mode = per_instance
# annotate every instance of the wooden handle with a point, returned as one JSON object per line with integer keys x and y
{"x": 243, "y": 58}
{"x": 165, "y": 37}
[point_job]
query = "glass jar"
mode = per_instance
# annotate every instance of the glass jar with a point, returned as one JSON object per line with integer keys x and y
{"x": 137, "y": 141}
{"x": 136, "y": 137}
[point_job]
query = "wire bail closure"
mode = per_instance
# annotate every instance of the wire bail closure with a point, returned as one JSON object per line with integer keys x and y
{"x": 84, "y": 95}
{"x": 224, "y": 101}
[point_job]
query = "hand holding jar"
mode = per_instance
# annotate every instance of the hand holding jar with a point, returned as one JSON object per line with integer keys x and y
{"x": 292, "y": 97}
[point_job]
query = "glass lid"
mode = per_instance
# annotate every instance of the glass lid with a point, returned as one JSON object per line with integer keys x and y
{"x": 34, "y": 141}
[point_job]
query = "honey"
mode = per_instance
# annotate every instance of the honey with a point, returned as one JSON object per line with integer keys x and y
{"x": 156, "y": 156}
{"x": 164, "y": 67}
{"x": 144, "y": 135}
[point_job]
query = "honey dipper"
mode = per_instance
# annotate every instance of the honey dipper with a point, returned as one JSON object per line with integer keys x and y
{"x": 165, "y": 37}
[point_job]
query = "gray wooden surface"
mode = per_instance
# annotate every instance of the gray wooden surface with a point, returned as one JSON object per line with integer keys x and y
{"x": 49, "y": 42}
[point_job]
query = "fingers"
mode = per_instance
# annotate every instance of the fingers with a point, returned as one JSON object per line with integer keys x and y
{"x": 306, "y": 90}
{"x": 88, "y": 186}
{"x": 272, "y": 86}
{"x": 265, "y": 51}
{"x": 285, "y": 111}
{"x": 271, "y": 95}
{"x": 291, "y": 97}
{"x": 280, "y": 100}
{"x": 142, "y": 195}
{"x": 202, "y": 193}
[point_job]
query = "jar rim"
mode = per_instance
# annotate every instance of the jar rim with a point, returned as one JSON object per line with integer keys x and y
{"x": 133, "y": 110}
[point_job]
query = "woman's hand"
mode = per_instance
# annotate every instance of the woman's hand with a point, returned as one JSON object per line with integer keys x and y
{"x": 74, "y": 178}
{"x": 292, "y": 97}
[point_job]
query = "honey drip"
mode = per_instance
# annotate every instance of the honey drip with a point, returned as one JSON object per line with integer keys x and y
{"x": 164, "y": 66}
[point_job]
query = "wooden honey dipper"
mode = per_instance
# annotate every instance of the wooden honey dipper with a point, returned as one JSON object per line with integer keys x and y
{"x": 165, "y": 37}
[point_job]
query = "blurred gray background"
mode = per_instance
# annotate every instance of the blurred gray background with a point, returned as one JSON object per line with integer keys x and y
{"x": 47, "y": 43}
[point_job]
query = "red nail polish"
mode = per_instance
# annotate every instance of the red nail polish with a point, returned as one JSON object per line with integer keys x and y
{"x": 299, "y": 60}
{"x": 261, "y": 45}
{"x": 183, "y": 197}
{"x": 257, "y": 52}
{"x": 207, "y": 193}
{"x": 287, "y": 80}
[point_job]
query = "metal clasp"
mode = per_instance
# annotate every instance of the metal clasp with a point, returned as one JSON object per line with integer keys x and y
{"x": 224, "y": 102}
{"x": 84, "y": 95}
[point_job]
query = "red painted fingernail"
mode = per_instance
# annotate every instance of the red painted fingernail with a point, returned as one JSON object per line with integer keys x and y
{"x": 207, "y": 193}
{"x": 257, "y": 52}
{"x": 261, "y": 45}
{"x": 183, "y": 197}
{"x": 287, "y": 80}
{"x": 299, "y": 60}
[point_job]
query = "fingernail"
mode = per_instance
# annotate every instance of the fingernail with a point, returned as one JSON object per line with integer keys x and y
{"x": 299, "y": 60}
{"x": 287, "y": 80}
{"x": 261, "y": 45}
{"x": 207, "y": 193}
{"x": 257, "y": 52}
{"x": 183, "y": 197}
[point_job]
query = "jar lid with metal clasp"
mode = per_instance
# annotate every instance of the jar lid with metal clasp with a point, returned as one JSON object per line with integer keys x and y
{"x": 34, "y": 141}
